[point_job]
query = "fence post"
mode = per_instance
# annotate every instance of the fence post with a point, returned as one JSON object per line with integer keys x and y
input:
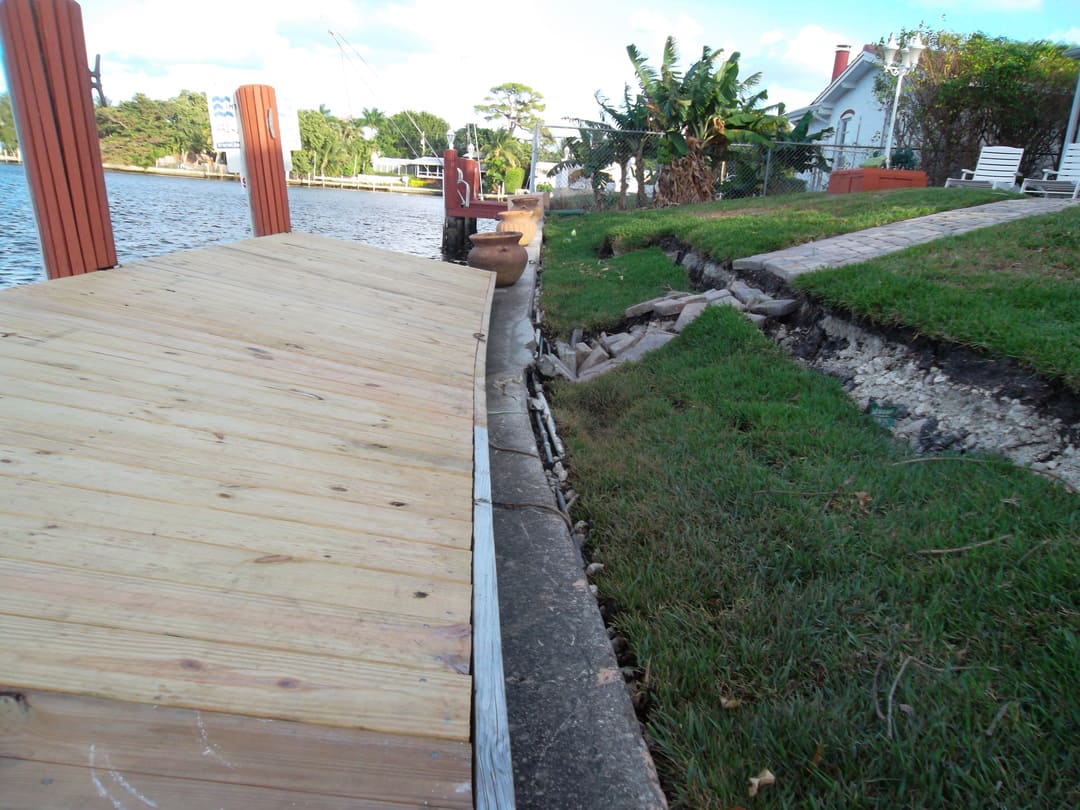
{"x": 768, "y": 169}
{"x": 51, "y": 98}
{"x": 264, "y": 163}
{"x": 535, "y": 157}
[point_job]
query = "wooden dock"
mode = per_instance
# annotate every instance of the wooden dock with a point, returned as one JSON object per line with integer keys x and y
{"x": 236, "y": 531}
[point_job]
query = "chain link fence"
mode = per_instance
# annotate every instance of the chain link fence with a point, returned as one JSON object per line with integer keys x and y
{"x": 789, "y": 168}
{"x": 610, "y": 168}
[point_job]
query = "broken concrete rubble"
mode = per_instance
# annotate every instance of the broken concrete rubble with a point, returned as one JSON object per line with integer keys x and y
{"x": 588, "y": 358}
{"x": 747, "y": 294}
{"x": 688, "y": 314}
{"x": 774, "y": 308}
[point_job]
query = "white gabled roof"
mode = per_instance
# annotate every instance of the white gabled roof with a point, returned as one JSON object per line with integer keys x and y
{"x": 865, "y": 61}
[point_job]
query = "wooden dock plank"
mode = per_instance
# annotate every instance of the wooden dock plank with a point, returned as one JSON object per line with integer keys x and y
{"x": 222, "y": 494}
{"x": 58, "y": 592}
{"x": 377, "y": 448}
{"x": 426, "y": 361}
{"x": 218, "y": 749}
{"x": 214, "y": 676}
{"x": 236, "y": 488}
{"x": 353, "y": 569}
{"x": 47, "y": 786}
{"x": 62, "y": 429}
{"x": 178, "y": 290}
{"x": 112, "y": 349}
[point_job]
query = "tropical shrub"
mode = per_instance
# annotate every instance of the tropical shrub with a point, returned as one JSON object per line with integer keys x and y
{"x": 513, "y": 178}
{"x": 971, "y": 91}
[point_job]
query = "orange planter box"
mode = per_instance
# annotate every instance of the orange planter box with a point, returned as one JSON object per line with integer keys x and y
{"x": 847, "y": 181}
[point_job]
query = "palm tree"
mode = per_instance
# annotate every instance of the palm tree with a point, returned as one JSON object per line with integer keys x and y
{"x": 636, "y": 143}
{"x": 589, "y": 154}
{"x": 502, "y": 147}
{"x": 371, "y": 117}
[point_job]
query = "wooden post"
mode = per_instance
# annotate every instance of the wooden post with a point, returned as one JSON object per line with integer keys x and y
{"x": 453, "y": 236}
{"x": 457, "y": 199}
{"x": 264, "y": 162}
{"x": 470, "y": 170}
{"x": 49, "y": 80}
{"x": 449, "y": 180}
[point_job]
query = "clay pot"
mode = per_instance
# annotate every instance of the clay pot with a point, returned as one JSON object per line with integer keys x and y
{"x": 518, "y": 220}
{"x": 501, "y": 253}
{"x": 531, "y": 203}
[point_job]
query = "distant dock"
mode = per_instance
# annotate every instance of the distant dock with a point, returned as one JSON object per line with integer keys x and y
{"x": 361, "y": 183}
{"x": 371, "y": 182}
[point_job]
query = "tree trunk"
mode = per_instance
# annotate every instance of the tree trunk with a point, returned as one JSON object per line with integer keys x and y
{"x": 639, "y": 175}
{"x": 624, "y": 183}
{"x": 688, "y": 179}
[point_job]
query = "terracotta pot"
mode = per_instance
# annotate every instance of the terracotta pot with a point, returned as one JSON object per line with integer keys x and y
{"x": 531, "y": 203}
{"x": 501, "y": 253}
{"x": 518, "y": 220}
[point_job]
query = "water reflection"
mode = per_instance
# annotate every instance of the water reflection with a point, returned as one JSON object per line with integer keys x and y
{"x": 154, "y": 215}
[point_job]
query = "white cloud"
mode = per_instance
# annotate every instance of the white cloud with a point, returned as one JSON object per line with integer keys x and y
{"x": 650, "y": 29}
{"x": 813, "y": 48}
{"x": 1070, "y": 36}
{"x": 796, "y": 66}
{"x": 772, "y": 37}
{"x": 793, "y": 97}
{"x": 443, "y": 57}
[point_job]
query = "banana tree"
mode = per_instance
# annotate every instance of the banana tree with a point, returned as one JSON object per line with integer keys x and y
{"x": 697, "y": 114}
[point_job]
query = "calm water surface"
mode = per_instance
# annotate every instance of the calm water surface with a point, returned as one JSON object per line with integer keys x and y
{"x": 152, "y": 215}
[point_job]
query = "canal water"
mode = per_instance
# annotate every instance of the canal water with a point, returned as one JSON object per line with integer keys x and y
{"x": 152, "y": 215}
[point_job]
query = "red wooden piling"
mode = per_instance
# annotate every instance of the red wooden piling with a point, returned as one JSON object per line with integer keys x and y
{"x": 461, "y": 195}
{"x": 49, "y": 82}
{"x": 470, "y": 170}
{"x": 449, "y": 181}
{"x": 263, "y": 160}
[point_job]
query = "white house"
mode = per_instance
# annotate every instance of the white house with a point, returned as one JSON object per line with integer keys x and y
{"x": 849, "y": 106}
{"x": 428, "y": 168}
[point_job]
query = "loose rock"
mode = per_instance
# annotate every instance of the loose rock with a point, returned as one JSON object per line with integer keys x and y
{"x": 716, "y": 295}
{"x": 673, "y": 306}
{"x": 745, "y": 293}
{"x": 689, "y": 315}
{"x": 650, "y": 341}
{"x": 595, "y": 358}
{"x": 551, "y": 366}
{"x": 774, "y": 308}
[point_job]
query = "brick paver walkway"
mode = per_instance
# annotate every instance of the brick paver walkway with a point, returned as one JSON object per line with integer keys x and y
{"x": 861, "y": 246}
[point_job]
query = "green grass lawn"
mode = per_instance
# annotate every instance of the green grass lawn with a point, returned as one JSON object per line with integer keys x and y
{"x": 581, "y": 289}
{"x": 805, "y": 596}
{"x": 1012, "y": 290}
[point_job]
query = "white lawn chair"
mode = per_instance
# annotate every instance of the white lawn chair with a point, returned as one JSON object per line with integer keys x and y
{"x": 998, "y": 167}
{"x": 1064, "y": 182}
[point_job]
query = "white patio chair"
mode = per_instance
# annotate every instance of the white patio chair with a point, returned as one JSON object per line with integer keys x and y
{"x": 1064, "y": 182}
{"x": 998, "y": 167}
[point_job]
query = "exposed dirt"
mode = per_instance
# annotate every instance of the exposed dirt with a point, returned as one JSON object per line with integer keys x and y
{"x": 939, "y": 396}
{"x": 942, "y": 397}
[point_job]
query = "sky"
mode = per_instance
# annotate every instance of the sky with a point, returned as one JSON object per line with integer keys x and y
{"x": 443, "y": 57}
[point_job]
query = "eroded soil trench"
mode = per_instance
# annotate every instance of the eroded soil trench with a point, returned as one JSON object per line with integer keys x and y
{"x": 940, "y": 397}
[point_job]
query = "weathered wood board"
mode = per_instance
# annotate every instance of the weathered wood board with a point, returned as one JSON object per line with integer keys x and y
{"x": 236, "y": 530}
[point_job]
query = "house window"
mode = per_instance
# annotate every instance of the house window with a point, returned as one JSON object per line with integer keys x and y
{"x": 842, "y": 137}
